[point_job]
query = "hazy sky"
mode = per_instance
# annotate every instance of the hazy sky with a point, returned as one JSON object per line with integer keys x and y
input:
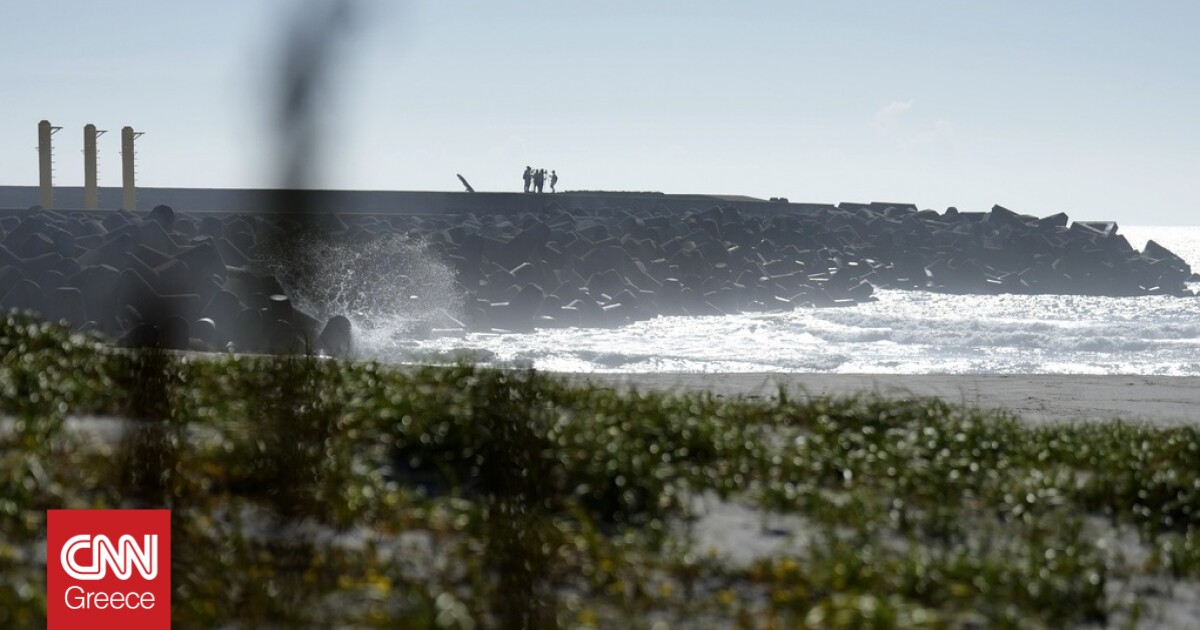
{"x": 1087, "y": 107}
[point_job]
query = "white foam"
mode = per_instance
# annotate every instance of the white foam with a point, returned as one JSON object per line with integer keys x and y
{"x": 903, "y": 333}
{"x": 391, "y": 288}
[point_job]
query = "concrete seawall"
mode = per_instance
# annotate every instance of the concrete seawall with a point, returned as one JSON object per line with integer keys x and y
{"x": 14, "y": 198}
{"x": 205, "y": 273}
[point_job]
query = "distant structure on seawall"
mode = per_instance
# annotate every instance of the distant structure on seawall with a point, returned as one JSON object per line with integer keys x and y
{"x": 91, "y": 190}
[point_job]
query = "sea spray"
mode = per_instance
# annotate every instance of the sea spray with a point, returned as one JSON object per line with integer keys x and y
{"x": 392, "y": 288}
{"x": 904, "y": 332}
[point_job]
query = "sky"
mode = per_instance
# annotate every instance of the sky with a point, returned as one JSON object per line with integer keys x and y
{"x": 1084, "y": 107}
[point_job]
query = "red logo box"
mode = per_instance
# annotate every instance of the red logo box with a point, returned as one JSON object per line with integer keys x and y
{"x": 108, "y": 569}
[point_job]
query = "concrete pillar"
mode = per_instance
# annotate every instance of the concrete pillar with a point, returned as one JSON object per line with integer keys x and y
{"x": 91, "y": 194}
{"x": 46, "y": 163}
{"x": 128, "y": 198}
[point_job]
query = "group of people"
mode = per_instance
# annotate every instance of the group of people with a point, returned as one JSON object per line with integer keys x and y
{"x": 535, "y": 179}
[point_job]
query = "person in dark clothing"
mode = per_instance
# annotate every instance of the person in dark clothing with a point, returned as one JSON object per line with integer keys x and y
{"x": 553, "y": 181}
{"x": 528, "y": 176}
{"x": 539, "y": 179}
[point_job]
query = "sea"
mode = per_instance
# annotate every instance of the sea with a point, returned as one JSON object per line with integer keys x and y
{"x": 903, "y": 332}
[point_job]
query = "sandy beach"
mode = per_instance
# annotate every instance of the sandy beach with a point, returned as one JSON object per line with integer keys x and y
{"x": 1161, "y": 400}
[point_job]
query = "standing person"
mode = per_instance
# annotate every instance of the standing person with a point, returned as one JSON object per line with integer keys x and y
{"x": 553, "y": 180}
{"x": 528, "y": 176}
{"x": 539, "y": 178}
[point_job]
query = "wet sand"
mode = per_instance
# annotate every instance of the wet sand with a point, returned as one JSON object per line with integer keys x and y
{"x": 1161, "y": 400}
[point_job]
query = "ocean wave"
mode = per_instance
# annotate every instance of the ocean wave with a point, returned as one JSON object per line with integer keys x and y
{"x": 903, "y": 332}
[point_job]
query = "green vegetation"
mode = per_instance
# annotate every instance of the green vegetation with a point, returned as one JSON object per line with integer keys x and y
{"x": 315, "y": 492}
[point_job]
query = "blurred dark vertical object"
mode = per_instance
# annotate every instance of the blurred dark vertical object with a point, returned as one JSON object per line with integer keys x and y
{"x": 308, "y": 55}
{"x": 295, "y": 426}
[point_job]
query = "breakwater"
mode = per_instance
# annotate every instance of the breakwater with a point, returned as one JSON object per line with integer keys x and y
{"x": 208, "y": 280}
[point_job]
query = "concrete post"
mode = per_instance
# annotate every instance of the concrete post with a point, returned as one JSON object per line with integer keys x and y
{"x": 91, "y": 194}
{"x": 46, "y": 163}
{"x": 128, "y": 199}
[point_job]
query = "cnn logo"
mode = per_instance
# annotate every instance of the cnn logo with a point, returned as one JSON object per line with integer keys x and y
{"x": 107, "y": 574}
{"x": 122, "y": 557}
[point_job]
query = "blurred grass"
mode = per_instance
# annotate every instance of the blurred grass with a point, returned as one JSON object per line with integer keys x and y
{"x": 313, "y": 492}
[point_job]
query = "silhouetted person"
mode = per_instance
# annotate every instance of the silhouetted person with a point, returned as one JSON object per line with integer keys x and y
{"x": 553, "y": 181}
{"x": 528, "y": 176}
{"x": 539, "y": 178}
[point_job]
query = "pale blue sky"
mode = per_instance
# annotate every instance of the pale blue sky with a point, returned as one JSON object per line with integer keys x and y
{"x": 1088, "y": 107}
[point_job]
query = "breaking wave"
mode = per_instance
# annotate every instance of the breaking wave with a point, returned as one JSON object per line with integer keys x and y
{"x": 903, "y": 332}
{"x": 391, "y": 288}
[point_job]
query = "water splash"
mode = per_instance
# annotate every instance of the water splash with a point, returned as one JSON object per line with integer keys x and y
{"x": 392, "y": 288}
